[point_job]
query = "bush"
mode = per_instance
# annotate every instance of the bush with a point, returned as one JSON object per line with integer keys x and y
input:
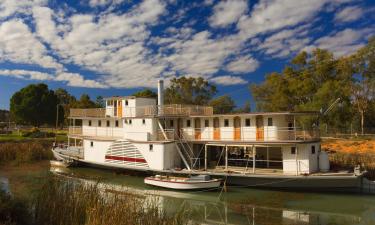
{"x": 25, "y": 151}
{"x": 36, "y": 133}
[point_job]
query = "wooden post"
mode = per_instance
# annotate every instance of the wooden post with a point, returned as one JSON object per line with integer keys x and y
{"x": 253, "y": 159}
{"x": 226, "y": 157}
{"x": 268, "y": 157}
{"x": 205, "y": 157}
{"x": 296, "y": 160}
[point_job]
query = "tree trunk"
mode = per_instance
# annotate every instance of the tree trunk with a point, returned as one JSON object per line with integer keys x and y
{"x": 362, "y": 121}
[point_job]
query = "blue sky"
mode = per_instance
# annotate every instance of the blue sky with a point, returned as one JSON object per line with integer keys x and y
{"x": 114, "y": 47}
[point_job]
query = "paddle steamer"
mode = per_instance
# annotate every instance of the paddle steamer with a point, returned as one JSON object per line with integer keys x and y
{"x": 257, "y": 149}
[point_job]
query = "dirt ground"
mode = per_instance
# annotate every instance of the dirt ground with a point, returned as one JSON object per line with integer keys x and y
{"x": 349, "y": 146}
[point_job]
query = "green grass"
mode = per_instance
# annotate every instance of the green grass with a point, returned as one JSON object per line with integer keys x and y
{"x": 15, "y": 136}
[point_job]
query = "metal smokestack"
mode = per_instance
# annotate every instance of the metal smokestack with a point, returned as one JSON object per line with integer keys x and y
{"x": 160, "y": 92}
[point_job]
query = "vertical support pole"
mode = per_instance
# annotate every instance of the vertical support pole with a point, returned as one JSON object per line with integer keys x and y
{"x": 297, "y": 167}
{"x": 75, "y": 142}
{"x": 268, "y": 157}
{"x": 68, "y": 141}
{"x": 226, "y": 157}
{"x": 294, "y": 127}
{"x": 253, "y": 159}
{"x": 205, "y": 157}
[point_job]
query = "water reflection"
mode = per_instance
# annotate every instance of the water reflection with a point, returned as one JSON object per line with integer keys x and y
{"x": 238, "y": 206}
{"x": 4, "y": 184}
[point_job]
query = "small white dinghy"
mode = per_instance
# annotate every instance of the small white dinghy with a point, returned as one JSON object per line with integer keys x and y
{"x": 183, "y": 183}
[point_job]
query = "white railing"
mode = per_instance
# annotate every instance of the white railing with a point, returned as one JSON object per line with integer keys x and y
{"x": 140, "y": 111}
{"x": 249, "y": 134}
{"x": 114, "y": 132}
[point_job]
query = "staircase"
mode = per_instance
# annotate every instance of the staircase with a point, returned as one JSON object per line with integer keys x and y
{"x": 186, "y": 152}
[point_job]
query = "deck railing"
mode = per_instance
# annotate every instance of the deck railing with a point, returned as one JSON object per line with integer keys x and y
{"x": 140, "y": 111}
{"x": 249, "y": 134}
{"x": 113, "y": 132}
{"x": 94, "y": 112}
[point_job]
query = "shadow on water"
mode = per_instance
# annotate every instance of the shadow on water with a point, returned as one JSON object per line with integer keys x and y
{"x": 239, "y": 205}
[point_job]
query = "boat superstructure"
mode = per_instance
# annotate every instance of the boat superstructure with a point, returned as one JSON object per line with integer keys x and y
{"x": 247, "y": 148}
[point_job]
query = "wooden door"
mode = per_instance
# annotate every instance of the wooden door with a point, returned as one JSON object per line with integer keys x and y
{"x": 197, "y": 126}
{"x": 260, "y": 128}
{"x": 237, "y": 128}
{"x": 119, "y": 109}
{"x": 216, "y": 129}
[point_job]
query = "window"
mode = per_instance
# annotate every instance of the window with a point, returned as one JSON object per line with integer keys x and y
{"x": 270, "y": 122}
{"x": 226, "y": 123}
{"x": 151, "y": 147}
{"x": 188, "y": 123}
{"x": 116, "y": 123}
{"x": 108, "y": 123}
{"x": 89, "y": 123}
{"x": 143, "y": 121}
{"x": 91, "y": 144}
{"x": 247, "y": 122}
{"x": 99, "y": 123}
{"x": 130, "y": 121}
{"x": 171, "y": 123}
{"x": 313, "y": 149}
{"x": 206, "y": 123}
{"x": 293, "y": 150}
{"x": 126, "y": 102}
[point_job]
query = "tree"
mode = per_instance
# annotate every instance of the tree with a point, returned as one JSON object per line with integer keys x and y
{"x": 222, "y": 104}
{"x": 35, "y": 105}
{"x": 246, "y": 108}
{"x": 145, "y": 93}
{"x": 189, "y": 90}
{"x": 66, "y": 101}
{"x": 310, "y": 82}
{"x": 364, "y": 87}
{"x": 84, "y": 102}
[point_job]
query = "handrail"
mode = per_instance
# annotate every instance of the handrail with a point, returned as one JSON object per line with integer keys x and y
{"x": 138, "y": 111}
{"x": 250, "y": 134}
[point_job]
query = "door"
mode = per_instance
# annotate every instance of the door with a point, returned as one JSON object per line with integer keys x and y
{"x": 119, "y": 108}
{"x": 237, "y": 128}
{"x": 216, "y": 129}
{"x": 197, "y": 126}
{"x": 260, "y": 128}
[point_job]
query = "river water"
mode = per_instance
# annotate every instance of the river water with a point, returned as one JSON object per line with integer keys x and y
{"x": 239, "y": 205}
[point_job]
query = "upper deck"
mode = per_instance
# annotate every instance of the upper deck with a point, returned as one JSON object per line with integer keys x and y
{"x": 174, "y": 110}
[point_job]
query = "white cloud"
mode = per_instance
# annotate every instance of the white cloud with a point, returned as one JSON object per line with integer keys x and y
{"x": 227, "y": 12}
{"x": 284, "y": 43}
{"x": 18, "y": 44}
{"x": 268, "y": 16}
{"x": 10, "y": 7}
{"x": 344, "y": 42}
{"x": 26, "y": 74}
{"x": 77, "y": 80}
{"x": 349, "y": 14}
{"x": 111, "y": 44}
{"x": 72, "y": 79}
{"x": 96, "y": 3}
{"x": 228, "y": 80}
{"x": 243, "y": 64}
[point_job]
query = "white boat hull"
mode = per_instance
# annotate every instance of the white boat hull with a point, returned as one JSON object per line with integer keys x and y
{"x": 181, "y": 185}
